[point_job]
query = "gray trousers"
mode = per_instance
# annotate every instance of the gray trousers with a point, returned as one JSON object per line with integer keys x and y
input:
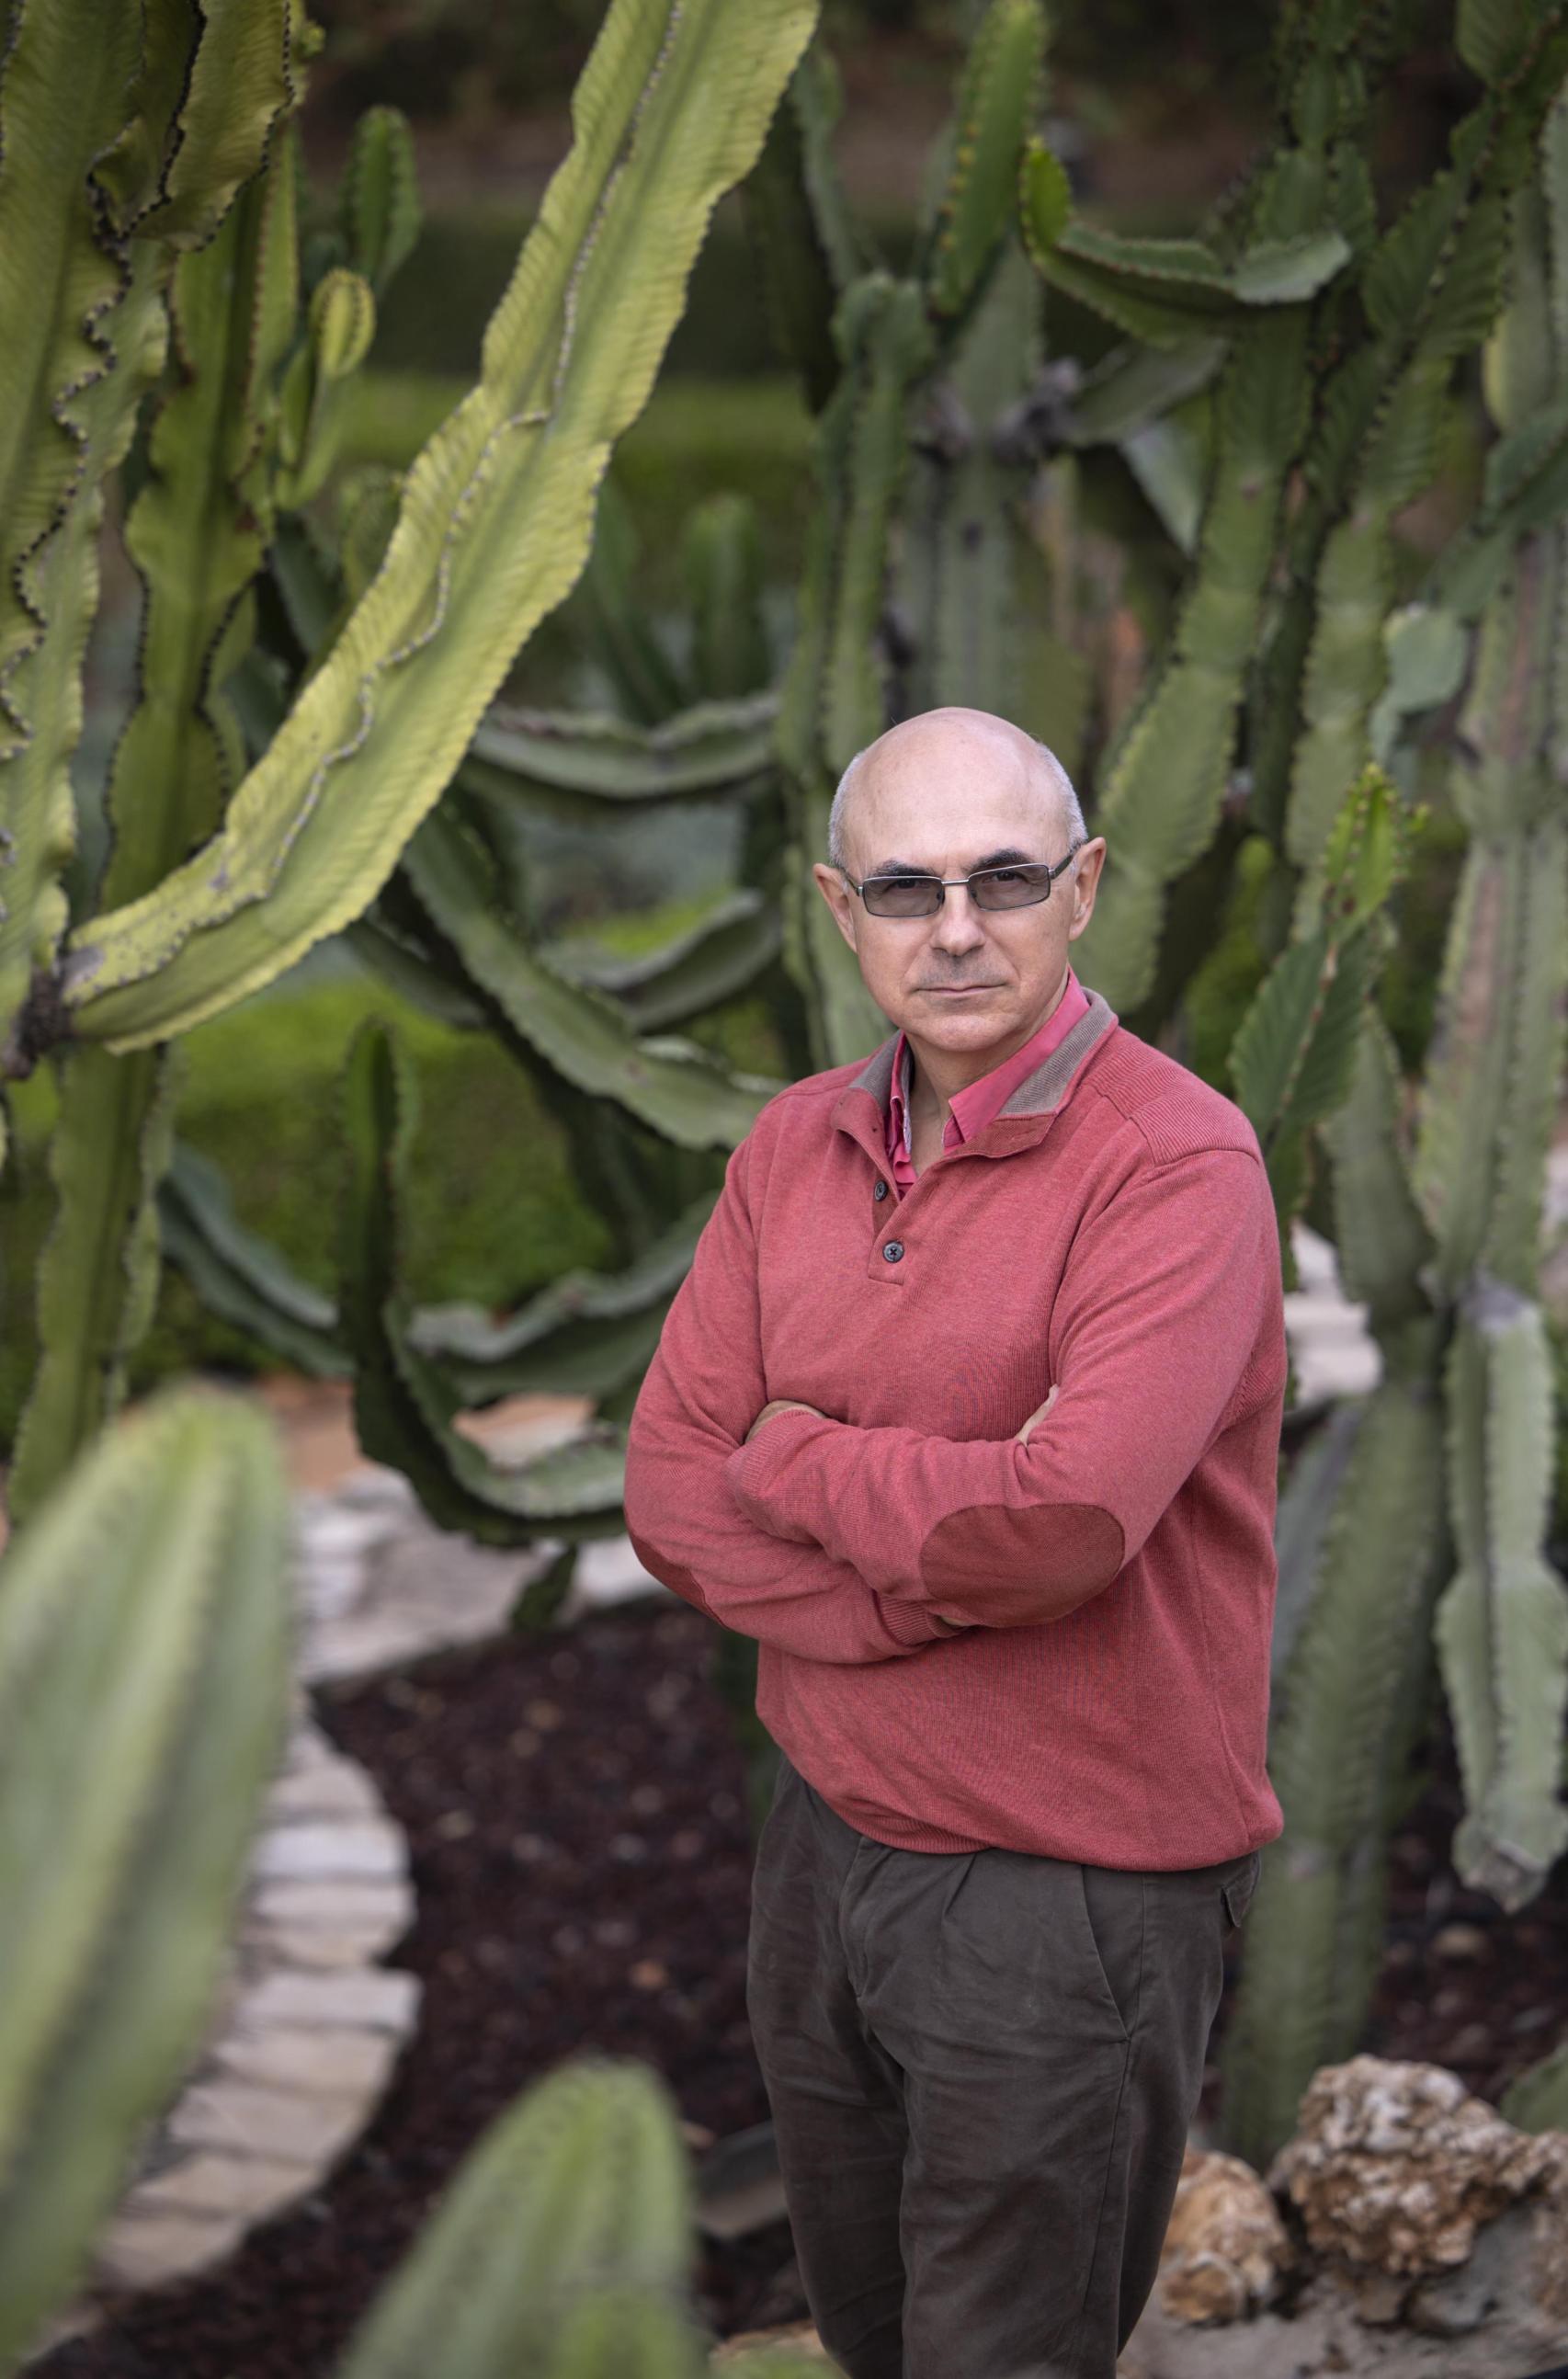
{"x": 982, "y": 2067}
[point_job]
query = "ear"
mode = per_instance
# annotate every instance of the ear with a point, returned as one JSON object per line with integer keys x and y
{"x": 838, "y": 897}
{"x": 1086, "y": 884}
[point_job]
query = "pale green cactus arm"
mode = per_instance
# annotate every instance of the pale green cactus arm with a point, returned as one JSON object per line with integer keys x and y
{"x": 196, "y": 534}
{"x": 1162, "y": 790}
{"x": 809, "y": 249}
{"x": 83, "y": 337}
{"x": 1488, "y": 1107}
{"x": 1295, "y": 1052}
{"x": 1503, "y": 1621}
{"x": 721, "y": 552}
{"x": 212, "y": 86}
{"x": 585, "y": 1334}
{"x": 963, "y": 575}
{"x": 1382, "y": 1242}
{"x": 239, "y": 1277}
{"x": 690, "y": 973}
{"x": 380, "y": 201}
{"x": 994, "y": 116}
{"x": 527, "y": 754}
{"x": 1490, "y": 1094}
{"x": 1430, "y": 288}
{"x": 145, "y": 1618}
{"x": 1170, "y": 291}
{"x": 494, "y": 526}
{"x": 679, "y": 1088}
{"x": 833, "y": 702}
{"x": 582, "y": 2188}
{"x": 1348, "y": 1710}
{"x": 404, "y": 1404}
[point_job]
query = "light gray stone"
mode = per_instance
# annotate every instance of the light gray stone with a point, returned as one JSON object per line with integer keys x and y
{"x": 376, "y": 1999}
{"x": 325, "y": 1788}
{"x": 336, "y": 2062}
{"x": 345, "y": 1847}
{"x": 246, "y": 2118}
{"x": 383, "y": 1902}
{"x": 138, "y": 2251}
{"x": 311, "y": 1945}
{"x": 213, "y": 2183}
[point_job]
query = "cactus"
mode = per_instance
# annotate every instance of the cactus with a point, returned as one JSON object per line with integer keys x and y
{"x": 1292, "y": 1057}
{"x": 196, "y": 534}
{"x": 581, "y": 2187}
{"x": 154, "y": 154}
{"x": 1442, "y": 1242}
{"x": 404, "y": 1404}
{"x": 890, "y": 335}
{"x": 144, "y": 1612}
{"x": 492, "y": 528}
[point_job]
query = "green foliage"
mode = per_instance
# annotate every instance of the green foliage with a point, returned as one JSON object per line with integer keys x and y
{"x": 404, "y": 1407}
{"x": 145, "y": 1614}
{"x": 312, "y": 833}
{"x": 582, "y": 2185}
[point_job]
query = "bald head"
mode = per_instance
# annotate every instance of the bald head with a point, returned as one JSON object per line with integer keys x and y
{"x": 943, "y": 745}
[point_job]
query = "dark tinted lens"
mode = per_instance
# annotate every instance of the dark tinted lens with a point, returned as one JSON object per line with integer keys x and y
{"x": 902, "y": 896}
{"x": 1010, "y": 888}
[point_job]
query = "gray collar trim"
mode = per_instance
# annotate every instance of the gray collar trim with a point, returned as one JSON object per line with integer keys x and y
{"x": 1040, "y": 1092}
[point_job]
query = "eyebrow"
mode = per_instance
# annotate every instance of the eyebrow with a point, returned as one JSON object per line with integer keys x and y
{"x": 1010, "y": 857}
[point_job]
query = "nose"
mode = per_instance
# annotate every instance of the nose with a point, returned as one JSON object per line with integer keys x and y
{"x": 957, "y": 925}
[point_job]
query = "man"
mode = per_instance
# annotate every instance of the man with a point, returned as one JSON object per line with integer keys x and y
{"x": 969, "y": 1412}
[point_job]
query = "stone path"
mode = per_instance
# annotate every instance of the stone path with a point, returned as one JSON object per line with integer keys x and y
{"x": 309, "y": 2024}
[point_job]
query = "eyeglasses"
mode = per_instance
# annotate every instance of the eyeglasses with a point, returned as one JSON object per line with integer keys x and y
{"x": 989, "y": 888}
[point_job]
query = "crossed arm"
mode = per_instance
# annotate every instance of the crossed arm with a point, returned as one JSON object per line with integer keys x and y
{"x": 852, "y": 1544}
{"x": 701, "y": 1394}
{"x": 1159, "y": 1315}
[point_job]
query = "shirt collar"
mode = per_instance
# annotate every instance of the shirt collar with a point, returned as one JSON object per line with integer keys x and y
{"x": 972, "y": 1107}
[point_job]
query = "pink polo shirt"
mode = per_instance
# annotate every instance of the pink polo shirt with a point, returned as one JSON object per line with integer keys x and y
{"x": 977, "y": 1103}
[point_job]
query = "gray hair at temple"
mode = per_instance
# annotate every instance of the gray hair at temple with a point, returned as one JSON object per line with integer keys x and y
{"x": 1072, "y": 808}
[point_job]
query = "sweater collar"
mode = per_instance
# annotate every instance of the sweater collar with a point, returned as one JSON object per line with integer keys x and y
{"x": 861, "y": 1108}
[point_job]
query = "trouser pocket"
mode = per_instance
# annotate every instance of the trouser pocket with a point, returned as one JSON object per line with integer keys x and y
{"x": 1239, "y": 1887}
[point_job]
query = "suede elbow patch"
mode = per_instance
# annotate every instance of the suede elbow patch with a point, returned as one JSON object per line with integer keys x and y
{"x": 1014, "y": 1567}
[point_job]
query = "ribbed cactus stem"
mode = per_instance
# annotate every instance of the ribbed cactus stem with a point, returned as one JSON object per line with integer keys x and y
{"x": 145, "y": 1626}
{"x": 582, "y": 2188}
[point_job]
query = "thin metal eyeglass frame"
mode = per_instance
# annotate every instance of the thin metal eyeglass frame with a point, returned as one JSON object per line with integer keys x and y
{"x": 967, "y": 881}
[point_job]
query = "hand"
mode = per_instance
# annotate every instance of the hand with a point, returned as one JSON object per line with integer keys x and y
{"x": 1039, "y": 1414}
{"x": 779, "y": 1404}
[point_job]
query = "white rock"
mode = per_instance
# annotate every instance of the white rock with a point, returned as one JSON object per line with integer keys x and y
{"x": 336, "y": 2062}
{"x": 376, "y": 1999}
{"x": 329, "y": 1902}
{"x": 208, "y": 2182}
{"x": 138, "y": 2251}
{"x": 345, "y": 1847}
{"x": 246, "y": 2118}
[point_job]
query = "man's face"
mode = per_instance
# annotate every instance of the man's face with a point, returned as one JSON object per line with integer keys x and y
{"x": 945, "y": 795}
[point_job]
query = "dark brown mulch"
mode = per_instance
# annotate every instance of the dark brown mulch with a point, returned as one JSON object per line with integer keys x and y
{"x": 576, "y": 1810}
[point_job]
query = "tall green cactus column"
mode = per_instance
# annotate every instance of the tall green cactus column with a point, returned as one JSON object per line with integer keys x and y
{"x": 1419, "y": 1532}
{"x": 145, "y": 1625}
{"x": 889, "y": 334}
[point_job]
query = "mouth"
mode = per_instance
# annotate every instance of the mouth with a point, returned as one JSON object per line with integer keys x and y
{"x": 957, "y": 990}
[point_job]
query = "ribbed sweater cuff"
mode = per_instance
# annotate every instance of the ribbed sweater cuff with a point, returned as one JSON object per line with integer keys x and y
{"x": 754, "y": 1468}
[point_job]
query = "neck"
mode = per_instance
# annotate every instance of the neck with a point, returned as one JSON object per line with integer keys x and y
{"x": 937, "y": 1075}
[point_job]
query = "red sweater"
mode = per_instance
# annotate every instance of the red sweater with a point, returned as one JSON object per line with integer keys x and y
{"x": 1060, "y": 1647}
